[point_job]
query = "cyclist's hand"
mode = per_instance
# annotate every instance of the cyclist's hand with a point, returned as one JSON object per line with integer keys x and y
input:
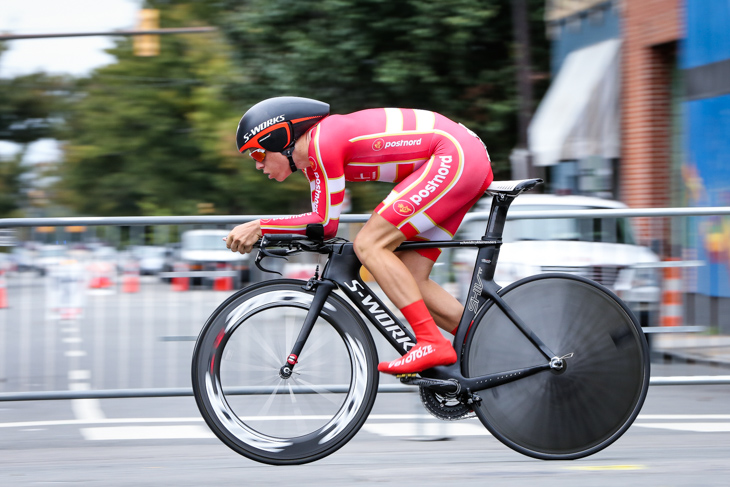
{"x": 243, "y": 237}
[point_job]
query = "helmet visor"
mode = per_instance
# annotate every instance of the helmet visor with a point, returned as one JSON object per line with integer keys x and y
{"x": 257, "y": 155}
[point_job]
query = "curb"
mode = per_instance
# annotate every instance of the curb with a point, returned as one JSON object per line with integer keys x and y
{"x": 672, "y": 356}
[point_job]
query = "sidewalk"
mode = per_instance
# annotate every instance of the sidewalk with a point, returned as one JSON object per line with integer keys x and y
{"x": 692, "y": 347}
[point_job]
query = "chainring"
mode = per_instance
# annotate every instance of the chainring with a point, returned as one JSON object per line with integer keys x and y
{"x": 446, "y": 407}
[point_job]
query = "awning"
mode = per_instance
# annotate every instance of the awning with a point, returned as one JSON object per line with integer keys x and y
{"x": 580, "y": 114}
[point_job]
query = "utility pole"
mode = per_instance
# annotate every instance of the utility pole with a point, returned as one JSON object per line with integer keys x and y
{"x": 521, "y": 159}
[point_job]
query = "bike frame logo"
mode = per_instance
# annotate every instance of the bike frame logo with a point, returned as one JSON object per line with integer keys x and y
{"x": 476, "y": 291}
{"x": 373, "y": 309}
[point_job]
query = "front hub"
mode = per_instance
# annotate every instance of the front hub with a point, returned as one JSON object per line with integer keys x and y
{"x": 285, "y": 371}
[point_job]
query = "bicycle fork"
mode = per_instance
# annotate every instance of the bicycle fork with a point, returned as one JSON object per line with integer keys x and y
{"x": 321, "y": 293}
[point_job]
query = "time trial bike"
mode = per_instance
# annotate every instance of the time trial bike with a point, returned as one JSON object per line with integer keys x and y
{"x": 284, "y": 371}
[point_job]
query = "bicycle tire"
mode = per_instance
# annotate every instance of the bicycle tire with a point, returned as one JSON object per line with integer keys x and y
{"x": 575, "y": 412}
{"x": 244, "y": 401}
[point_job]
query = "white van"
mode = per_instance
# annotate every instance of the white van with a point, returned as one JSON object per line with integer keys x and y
{"x": 205, "y": 250}
{"x": 603, "y": 250}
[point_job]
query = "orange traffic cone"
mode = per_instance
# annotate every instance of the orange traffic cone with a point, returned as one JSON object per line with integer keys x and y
{"x": 101, "y": 275}
{"x": 130, "y": 279}
{"x": 223, "y": 283}
{"x": 180, "y": 283}
{"x": 3, "y": 291}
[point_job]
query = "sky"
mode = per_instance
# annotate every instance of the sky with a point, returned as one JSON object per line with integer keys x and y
{"x": 74, "y": 56}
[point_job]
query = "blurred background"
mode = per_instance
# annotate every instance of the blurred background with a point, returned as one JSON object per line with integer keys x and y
{"x": 617, "y": 104}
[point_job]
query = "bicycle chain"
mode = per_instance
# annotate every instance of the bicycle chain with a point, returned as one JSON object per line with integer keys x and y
{"x": 445, "y": 407}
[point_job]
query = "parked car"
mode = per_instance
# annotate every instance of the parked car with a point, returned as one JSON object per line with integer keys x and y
{"x": 603, "y": 250}
{"x": 151, "y": 258}
{"x": 23, "y": 258}
{"x": 50, "y": 257}
{"x": 205, "y": 250}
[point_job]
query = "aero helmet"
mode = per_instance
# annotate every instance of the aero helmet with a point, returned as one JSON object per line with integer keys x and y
{"x": 275, "y": 124}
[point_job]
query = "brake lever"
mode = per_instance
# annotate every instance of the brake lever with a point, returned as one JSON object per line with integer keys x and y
{"x": 259, "y": 257}
{"x": 277, "y": 254}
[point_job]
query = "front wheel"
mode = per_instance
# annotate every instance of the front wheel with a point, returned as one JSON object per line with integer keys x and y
{"x": 270, "y": 418}
{"x": 573, "y": 412}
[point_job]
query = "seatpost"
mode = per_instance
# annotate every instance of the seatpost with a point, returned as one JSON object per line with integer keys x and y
{"x": 498, "y": 216}
{"x": 495, "y": 227}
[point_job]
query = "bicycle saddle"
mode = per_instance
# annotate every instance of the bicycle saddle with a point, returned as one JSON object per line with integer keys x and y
{"x": 512, "y": 188}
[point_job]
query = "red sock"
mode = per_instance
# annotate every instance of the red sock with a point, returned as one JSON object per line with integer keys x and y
{"x": 431, "y": 348}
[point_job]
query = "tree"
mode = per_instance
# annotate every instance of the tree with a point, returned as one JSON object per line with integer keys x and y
{"x": 455, "y": 57}
{"x": 29, "y": 106}
{"x": 155, "y": 135}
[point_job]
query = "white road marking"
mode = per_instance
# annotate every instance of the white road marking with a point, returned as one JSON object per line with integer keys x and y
{"x": 79, "y": 374}
{"x": 426, "y": 429}
{"x": 405, "y": 425}
{"x": 146, "y": 432}
{"x": 75, "y": 422}
{"x": 75, "y": 353}
{"x": 85, "y": 409}
{"x": 694, "y": 427}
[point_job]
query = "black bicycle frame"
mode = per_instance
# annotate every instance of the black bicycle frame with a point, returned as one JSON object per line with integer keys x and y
{"x": 343, "y": 270}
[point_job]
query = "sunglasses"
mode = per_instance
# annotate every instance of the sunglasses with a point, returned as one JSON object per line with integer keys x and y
{"x": 258, "y": 155}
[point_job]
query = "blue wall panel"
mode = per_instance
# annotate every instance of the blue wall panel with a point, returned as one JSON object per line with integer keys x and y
{"x": 583, "y": 31}
{"x": 707, "y": 32}
{"x": 707, "y": 141}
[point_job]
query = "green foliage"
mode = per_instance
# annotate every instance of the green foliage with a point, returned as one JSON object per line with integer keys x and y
{"x": 29, "y": 106}
{"x": 11, "y": 186}
{"x": 454, "y": 57}
{"x": 156, "y": 135}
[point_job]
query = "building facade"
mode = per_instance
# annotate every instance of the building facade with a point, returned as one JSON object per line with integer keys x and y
{"x": 653, "y": 127}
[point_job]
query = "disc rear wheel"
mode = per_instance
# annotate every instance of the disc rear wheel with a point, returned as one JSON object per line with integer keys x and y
{"x": 579, "y": 409}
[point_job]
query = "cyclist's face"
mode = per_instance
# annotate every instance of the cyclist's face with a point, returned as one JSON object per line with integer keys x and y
{"x": 275, "y": 165}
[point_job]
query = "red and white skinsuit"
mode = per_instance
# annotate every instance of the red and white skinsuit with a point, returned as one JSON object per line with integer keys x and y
{"x": 441, "y": 169}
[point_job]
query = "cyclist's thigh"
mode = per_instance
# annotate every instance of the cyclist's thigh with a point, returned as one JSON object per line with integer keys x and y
{"x": 431, "y": 203}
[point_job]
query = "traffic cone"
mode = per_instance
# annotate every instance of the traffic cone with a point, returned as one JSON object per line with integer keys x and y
{"x": 671, "y": 308}
{"x": 130, "y": 278}
{"x": 180, "y": 283}
{"x": 3, "y": 291}
{"x": 223, "y": 283}
{"x": 101, "y": 275}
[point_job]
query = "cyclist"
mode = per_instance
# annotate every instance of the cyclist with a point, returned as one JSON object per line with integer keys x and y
{"x": 440, "y": 168}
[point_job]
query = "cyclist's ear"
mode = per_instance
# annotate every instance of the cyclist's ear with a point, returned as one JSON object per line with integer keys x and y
{"x": 315, "y": 231}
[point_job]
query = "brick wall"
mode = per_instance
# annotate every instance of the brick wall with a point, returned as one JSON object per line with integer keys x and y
{"x": 650, "y": 31}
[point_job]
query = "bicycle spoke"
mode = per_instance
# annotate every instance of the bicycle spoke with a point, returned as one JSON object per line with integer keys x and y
{"x": 267, "y": 405}
{"x": 284, "y": 425}
{"x": 322, "y": 392}
{"x": 258, "y": 340}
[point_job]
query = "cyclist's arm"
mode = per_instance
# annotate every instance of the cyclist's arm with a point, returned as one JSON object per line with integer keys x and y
{"x": 327, "y": 187}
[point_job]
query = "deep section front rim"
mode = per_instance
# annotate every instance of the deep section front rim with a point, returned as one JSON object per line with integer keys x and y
{"x": 259, "y": 413}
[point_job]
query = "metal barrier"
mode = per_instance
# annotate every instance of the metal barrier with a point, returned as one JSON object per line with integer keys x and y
{"x": 67, "y": 333}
